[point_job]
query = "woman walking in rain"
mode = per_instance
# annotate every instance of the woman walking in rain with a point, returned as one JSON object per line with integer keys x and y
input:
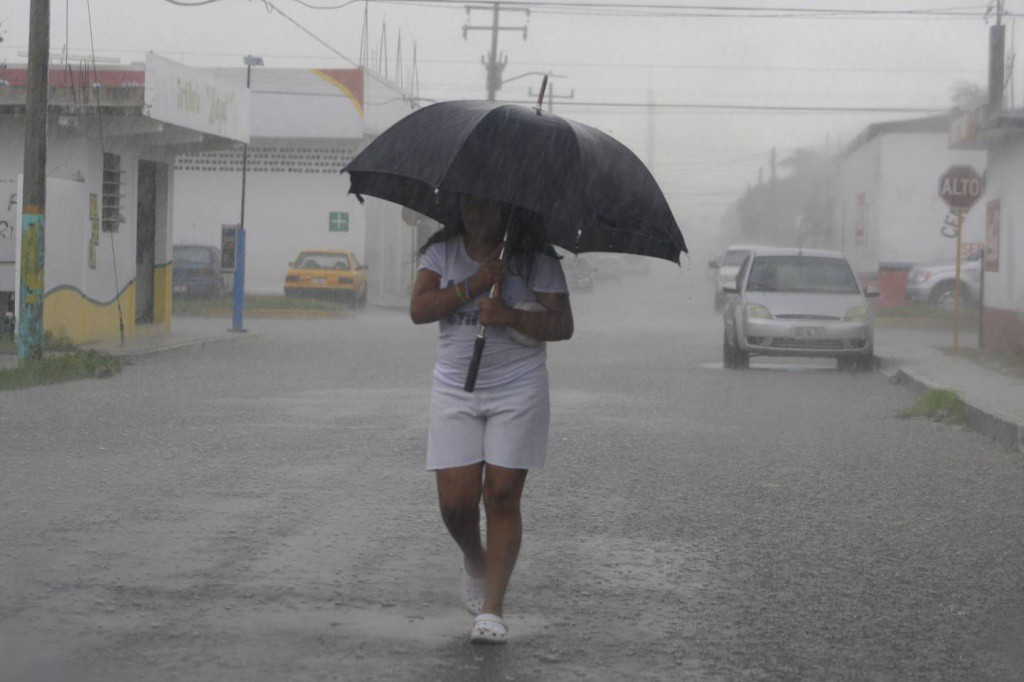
{"x": 482, "y": 444}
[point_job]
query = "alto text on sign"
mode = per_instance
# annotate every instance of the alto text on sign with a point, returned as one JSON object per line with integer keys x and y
{"x": 961, "y": 187}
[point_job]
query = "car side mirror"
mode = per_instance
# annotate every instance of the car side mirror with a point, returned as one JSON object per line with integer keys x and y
{"x": 364, "y": 266}
{"x": 870, "y": 292}
{"x": 730, "y": 290}
{"x": 712, "y": 265}
{"x": 291, "y": 264}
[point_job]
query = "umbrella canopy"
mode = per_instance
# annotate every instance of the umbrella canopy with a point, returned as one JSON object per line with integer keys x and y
{"x": 592, "y": 192}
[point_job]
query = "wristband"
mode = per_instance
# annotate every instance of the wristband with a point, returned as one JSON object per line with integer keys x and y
{"x": 458, "y": 292}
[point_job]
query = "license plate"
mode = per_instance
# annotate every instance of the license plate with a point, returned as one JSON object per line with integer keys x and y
{"x": 320, "y": 280}
{"x": 808, "y": 332}
{"x": 180, "y": 288}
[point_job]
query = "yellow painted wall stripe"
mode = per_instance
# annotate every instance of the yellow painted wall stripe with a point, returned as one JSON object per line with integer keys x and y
{"x": 338, "y": 84}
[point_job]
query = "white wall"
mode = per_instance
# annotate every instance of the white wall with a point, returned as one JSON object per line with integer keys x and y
{"x": 1005, "y": 289}
{"x": 77, "y": 160}
{"x": 898, "y": 174}
{"x": 912, "y": 213}
{"x": 858, "y": 175}
{"x": 286, "y": 211}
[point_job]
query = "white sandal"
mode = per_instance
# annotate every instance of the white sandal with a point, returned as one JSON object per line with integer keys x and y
{"x": 472, "y": 592}
{"x": 488, "y": 628}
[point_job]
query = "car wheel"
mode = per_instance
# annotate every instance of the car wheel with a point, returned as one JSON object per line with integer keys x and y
{"x": 719, "y": 301}
{"x": 845, "y": 363}
{"x": 945, "y": 296}
{"x": 362, "y": 299}
{"x": 865, "y": 362}
{"x": 741, "y": 359}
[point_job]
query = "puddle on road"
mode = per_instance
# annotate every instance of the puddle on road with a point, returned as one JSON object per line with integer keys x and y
{"x": 777, "y": 366}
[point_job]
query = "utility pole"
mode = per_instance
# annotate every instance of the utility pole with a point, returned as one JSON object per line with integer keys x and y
{"x": 774, "y": 199}
{"x": 238, "y": 293}
{"x": 996, "y": 60}
{"x": 494, "y": 64}
{"x": 33, "y": 206}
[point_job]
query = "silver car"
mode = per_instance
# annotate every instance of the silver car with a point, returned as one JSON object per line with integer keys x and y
{"x": 727, "y": 266}
{"x": 798, "y": 302}
{"x": 936, "y": 282}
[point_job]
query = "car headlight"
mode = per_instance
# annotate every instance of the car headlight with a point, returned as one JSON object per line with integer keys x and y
{"x": 919, "y": 277}
{"x": 755, "y": 311}
{"x": 857, "y": 313}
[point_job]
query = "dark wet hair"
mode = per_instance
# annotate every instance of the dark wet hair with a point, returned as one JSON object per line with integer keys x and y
{"x": 527, "y": 237}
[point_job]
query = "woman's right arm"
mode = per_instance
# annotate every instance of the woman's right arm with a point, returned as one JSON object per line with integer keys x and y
{"x": 429, "y": 301}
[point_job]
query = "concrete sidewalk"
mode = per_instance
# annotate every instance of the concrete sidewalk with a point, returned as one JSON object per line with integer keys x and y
{"x": 994, "y": 400}
{"x": 186, "y": 333}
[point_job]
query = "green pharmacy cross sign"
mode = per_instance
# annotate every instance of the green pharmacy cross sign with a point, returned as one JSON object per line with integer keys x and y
{"x": 338, "y": 221}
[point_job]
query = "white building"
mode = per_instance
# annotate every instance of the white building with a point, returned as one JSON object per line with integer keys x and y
{"x": 887, "y": 210}
{"x": 306, "y": 125}
{"x": 111, "y": 143}
{"x": 1001, "y": 136}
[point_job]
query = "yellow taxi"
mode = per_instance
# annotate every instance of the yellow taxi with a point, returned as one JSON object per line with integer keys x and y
{"x": 327, "y": 274}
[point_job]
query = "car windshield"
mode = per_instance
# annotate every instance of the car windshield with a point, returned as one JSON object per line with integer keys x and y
{"x": 734, "y": 258}
{"x": 192, "y": 254}
{"x": 323, "y": 261}
{"x": 802, "y": 274}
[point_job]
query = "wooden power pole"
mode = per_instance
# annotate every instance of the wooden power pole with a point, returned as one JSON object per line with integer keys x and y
{"x": 33, "y": 206}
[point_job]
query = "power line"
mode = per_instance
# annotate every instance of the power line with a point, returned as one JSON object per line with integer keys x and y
{"x": 710, "y": 10}
{"x": 746, "y": 107}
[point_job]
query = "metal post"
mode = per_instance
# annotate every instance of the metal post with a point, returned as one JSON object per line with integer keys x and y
{"x": 33, "y": 222}
{"x": 956, "y": 284}
{"x": 981, "y": 303}
{"x": 238, "y": 293}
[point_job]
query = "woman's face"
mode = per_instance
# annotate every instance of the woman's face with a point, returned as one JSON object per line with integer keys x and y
{"x": 483, "y": 218}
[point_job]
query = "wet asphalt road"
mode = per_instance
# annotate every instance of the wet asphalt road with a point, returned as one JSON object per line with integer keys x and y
{"x": 260, "y": 512}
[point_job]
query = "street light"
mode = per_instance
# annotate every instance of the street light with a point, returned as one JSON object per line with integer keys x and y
{"x": 238, "y": 293}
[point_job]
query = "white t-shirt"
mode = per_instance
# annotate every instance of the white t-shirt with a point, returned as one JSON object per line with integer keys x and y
{"x": 504, "y": 359}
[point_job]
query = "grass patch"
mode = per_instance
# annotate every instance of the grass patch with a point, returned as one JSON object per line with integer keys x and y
{"x": 58, "y": 342}
{"x": 199, "y": 307}
{"x": 59, "y": 368}
{"x": 940, "y": 405}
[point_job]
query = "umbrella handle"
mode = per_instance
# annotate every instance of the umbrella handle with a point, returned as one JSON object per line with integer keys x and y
{"x": 481, "y": 336}
{"x": 474, "y": 364}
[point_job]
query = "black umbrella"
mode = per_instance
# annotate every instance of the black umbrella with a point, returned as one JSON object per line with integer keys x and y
{"x": 591, "y": 191}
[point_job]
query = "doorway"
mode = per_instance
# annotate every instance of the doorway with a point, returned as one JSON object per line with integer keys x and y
{"x": 145, "y": 242}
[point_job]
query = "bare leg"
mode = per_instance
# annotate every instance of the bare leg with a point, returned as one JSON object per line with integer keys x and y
{"x": 458, "y": 492}
{"x": 503, "y": 489}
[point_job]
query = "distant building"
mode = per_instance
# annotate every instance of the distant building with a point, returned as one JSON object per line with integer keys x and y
{"x": 887, "y": 213}
{"x": 1001, "y": 136}
{"x": 306, "y": 125}
{"x": 112, "y": 140}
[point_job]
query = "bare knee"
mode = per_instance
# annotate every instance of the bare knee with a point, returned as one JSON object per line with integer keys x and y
{"x": 502, "y": 498}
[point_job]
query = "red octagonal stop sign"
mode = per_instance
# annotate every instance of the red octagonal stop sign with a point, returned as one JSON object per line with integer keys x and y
{"x": 960, "y": 187}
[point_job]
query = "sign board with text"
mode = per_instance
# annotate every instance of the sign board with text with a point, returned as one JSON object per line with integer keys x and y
{"x": 195, "y": 99}
{"x": 961, "y": 187}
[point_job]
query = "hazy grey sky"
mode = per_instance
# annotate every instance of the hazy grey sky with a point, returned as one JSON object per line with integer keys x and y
{"x": 703, "y": 158}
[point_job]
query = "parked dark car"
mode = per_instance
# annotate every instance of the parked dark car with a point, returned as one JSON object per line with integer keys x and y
{"x": 197, "y": 271}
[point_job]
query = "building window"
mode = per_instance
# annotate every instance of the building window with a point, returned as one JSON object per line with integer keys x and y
{"x": 113, "y": 192}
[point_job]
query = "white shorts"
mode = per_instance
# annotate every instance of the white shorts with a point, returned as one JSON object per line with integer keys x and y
{"x": 506, "y": 426}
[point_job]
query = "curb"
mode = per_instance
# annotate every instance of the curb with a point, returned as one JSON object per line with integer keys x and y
{"x": 130, "y": 356}
{"x": 1004, "y": 431}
